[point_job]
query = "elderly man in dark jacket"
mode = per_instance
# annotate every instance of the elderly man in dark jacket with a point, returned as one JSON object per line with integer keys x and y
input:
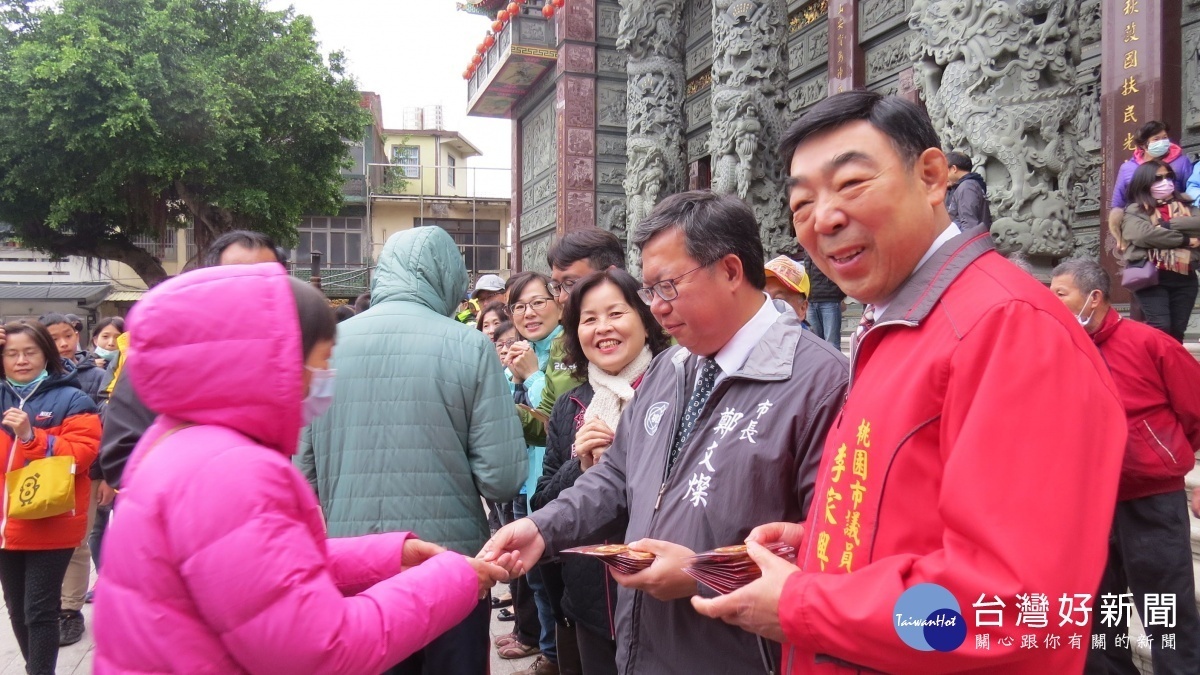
{"x": 966, "y": 197}
{"x": 724, "y": 433}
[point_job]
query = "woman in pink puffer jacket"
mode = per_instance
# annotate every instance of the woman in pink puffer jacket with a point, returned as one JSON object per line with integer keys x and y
{"x": 217, "y": 560}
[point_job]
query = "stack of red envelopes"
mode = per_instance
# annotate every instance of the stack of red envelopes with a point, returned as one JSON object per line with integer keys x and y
{"x": 617, "y": 556}
{"x": 728, "y": 568}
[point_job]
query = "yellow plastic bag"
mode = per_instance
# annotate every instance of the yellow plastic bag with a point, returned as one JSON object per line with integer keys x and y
{"x": 42, "y": 488}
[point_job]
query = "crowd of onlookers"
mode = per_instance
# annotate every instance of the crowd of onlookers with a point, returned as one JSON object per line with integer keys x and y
{"x": 275, "y": 513}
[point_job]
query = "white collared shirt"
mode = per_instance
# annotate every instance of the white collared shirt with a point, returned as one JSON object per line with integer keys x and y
{"x": 733, "y": 355}
{"x": 947, "y": 234}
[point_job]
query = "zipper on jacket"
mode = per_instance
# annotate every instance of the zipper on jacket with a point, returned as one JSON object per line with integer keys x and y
{"x": 8, "y": 464}
{"x": 858, "y": 346}
{"x": 765, "y": 652}
{"x": 1160, "y": 443}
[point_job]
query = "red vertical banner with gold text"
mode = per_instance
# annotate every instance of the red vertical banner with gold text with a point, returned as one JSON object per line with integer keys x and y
{"x": 1140, "y": 82}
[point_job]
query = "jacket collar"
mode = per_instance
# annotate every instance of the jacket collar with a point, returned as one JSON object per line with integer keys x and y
{"x": 1107, "y": 327}
{"x": 770, "y": 359}
{"x": 921, "y": 291}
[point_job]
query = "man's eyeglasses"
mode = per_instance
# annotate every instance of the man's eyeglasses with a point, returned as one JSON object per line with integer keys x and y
{"x": 664, "y": 289}
{"x": 536, "y": 304}
{"x": 505, "y": 344}
{"x": 557, "y": 288}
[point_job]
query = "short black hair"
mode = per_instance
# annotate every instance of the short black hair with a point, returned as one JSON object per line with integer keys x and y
{"x": 498, "y": 308}
{"x": 246, "y": 239}
{"x": 713, "y": 226}
{"x": 656, "y": 338}
{"x": 903, "y": 122}
{"x": 114, "y": 321}
{"x": 54, "y": 318}
{"x": 959, "y": 161}
{"x": 343, "y": 312}
{"x": 317, "y": 322}
{"x": 1151, "y": 128}
{"x": 362, "y": 303}
{"x": 41, "y": 337}
{"x": 1087, "y": 275}
{"x": 503, "y": 328}
{"x": 600, "y": 248}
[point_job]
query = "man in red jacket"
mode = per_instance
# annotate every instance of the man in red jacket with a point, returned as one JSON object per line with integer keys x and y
{"x": 965, "y": 489}
{"x": 1150, "y": 550}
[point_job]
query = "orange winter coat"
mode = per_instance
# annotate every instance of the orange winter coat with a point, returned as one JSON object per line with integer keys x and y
{"x": 65, "y": 423}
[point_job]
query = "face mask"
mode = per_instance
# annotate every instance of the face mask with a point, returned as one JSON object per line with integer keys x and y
{"x": 1163, "y": 189}
{"x": 106, "y": 354}
{"x": 320, "y": 393}
{"x": 23, "y": 388}
{"x": 1079, "y": 317}
{"x": 1158, "y": 148}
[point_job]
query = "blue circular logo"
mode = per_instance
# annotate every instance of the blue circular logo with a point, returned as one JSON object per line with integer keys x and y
{"x": 927, "y": 617}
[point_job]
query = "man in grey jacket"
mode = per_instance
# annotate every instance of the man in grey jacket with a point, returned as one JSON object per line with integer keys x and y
{"x": 966, "y": 197}
{"x": 725, "y": 432}
{"x": 421, "y": 428}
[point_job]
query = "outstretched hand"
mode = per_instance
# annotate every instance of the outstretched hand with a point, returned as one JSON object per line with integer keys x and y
{"x": 520, "y": 541}
{"x": 417, "y": 552}
{"x": 755, "y": 606}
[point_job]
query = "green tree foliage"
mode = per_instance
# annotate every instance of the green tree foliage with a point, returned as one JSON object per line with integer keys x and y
{"x": 121, "y": 118}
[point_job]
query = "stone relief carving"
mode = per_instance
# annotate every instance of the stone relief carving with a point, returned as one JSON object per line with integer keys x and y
{"x": 1087, "y": 245}
{"x": 750, "y": 66}
{"x": 1006, "y": 95}
{"x": 1087, "y": 121}
{"x": 698, "y": 18}
{"x": 610, "y": 145}
{"x": 876, "y": 13}
{"x": 889, "y": 57}
{"x": 807, "y": 93}
{"x": 1087, "y": 193}
{"x": 652, "y": 36}
{"x": 537, "y": 219}
{"x": 1191, "y": 77}
{"x": 533, "y": 254}
{"x": 1089, "y": 22}
{"x": 581, "y": 97}
{"x": 611, "y": 214}
{"x": 538, "y": 192}
{"x": 697, "y": 147}
{"x": 698, "y": 111}
{"x": 610, "y": 21}
{"x": 809, "y": 49}
{"x": 609, "y": 61}
{"x": 611, "y": 104}
{"x": 537, "y": 143}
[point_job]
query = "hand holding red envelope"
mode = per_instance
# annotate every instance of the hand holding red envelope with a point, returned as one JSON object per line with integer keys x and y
{"x": 728, "y": 568}
{"x": 617, "y": 556}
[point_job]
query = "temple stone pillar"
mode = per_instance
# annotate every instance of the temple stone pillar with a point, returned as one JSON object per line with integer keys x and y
{"x": 749, "y": 83}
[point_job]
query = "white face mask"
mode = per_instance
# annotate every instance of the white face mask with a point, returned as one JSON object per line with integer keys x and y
{"x": 1079, "y": 317}
{"x": 320, "y": 393}
{"x": 1158, "y": 148}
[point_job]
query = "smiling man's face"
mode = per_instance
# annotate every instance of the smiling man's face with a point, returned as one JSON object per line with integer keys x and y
{"x": 864, "y": 214}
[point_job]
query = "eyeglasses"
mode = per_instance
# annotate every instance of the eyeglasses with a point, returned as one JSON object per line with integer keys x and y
{"x": 505, "y": 344}
{"x": 664, "y": 289}
{"x": 536, "y": 304}
{"x": 559, "y": 287}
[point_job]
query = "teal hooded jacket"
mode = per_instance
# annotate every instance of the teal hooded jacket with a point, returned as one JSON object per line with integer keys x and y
{"x": 422, "y": 424}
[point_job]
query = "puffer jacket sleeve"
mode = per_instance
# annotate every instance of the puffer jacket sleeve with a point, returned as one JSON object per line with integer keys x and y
{"x": 78, "y": 436}
{"x": 495, "y": 444}
{"x": 560, "y": 469}
{"x": 357, "y": 563}
{"x": 260, "y": 576}
{"x": 306, "y": 458}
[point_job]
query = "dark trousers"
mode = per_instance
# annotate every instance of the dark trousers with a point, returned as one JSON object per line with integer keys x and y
{"x": 462, "y": 650}
{"x": 96, "y": 538}
{"x": 32, "y": 582}
{"x": 1150, "y": 552}
{"x": 597, "y": 651}
{"x": 1168, "y": 305}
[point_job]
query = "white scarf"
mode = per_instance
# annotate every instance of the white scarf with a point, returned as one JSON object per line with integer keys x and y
{"x": 613, "y": 392}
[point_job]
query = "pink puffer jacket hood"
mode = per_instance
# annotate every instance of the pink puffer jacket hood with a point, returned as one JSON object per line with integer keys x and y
{"x": 249, "y": 384}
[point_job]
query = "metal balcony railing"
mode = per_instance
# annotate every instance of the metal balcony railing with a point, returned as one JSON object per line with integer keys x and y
{"x": 434, "y": 181}
{"x": 527, "y": 29}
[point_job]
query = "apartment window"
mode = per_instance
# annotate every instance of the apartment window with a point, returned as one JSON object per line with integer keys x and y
{"x": 409, "y": 159}
{"x": 339, "y": 239}
{"x": 478, "y": 240}
{"x": 450, "y": 172}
